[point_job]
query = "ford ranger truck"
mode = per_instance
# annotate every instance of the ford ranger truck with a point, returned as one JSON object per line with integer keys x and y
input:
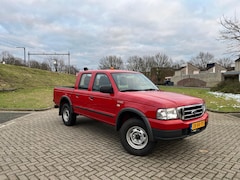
{"x": 136, "y": 107}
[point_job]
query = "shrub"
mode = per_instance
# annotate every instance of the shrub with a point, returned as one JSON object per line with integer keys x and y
{"x": 229, "y": 86}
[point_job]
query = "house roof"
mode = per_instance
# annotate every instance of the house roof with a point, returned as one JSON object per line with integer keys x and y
{"x": 210, "y": 65}
{"x": 237, "y": 59}
{"x": 230, "y": 73}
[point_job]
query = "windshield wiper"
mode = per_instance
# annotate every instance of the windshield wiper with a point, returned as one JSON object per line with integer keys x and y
{"x": 128, "y": 90}
{"x": 150, "y": 89}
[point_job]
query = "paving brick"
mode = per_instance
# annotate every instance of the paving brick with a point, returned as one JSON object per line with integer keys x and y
{"x": 220, "y": 175}
{"x": 3, "y": 177}
{"x": 22, "y": 177}
{"x": 52, "y": 177}
{"x": 32, "y": 177}
{"x": 230, "y": 175}
{"x": 210, "y": 175}
{"x": 76, "y": 178}
{"x": 237, "y": 175}
{"x": 12, "y": 177}
{"x": 39, "y": 146}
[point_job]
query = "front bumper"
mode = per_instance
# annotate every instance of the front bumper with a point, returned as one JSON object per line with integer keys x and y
{"x": 175, "y": 134}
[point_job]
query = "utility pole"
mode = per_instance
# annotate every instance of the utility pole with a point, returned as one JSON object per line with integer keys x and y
{"x": 68, "y": 62}
{"x": 24, "y": 53}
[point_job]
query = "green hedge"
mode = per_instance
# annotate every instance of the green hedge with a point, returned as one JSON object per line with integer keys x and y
{"x": 229, "y": 86}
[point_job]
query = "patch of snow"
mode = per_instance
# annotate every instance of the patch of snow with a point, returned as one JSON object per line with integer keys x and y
{"x": 227, "y": 96}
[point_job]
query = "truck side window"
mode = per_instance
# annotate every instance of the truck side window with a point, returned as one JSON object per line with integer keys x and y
{"x": 100, "y": 80}
{"x": 84, "y": 81}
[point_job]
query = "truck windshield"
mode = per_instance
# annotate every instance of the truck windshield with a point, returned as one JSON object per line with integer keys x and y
{"x": 133, "y": 82}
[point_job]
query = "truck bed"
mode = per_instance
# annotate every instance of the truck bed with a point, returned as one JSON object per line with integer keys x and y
{"x": 60, "y": 91}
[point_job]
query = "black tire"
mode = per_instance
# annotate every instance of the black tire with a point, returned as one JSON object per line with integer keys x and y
{"x": 135, "y": 138}
{"x": 68, "y": 117}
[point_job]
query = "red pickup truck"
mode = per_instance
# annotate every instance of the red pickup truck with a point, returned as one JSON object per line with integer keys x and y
{"x": 129, "y": 101}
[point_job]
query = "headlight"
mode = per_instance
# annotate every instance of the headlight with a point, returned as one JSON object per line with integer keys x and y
{"x": 204, "y": 107}
{"x": 166, "y": 114}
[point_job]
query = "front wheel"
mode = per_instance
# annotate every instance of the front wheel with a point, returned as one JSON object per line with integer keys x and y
{"x": 135, "y": 138}
{"x": 68, "y": 117}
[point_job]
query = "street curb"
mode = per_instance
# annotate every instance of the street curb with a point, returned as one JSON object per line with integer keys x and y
{"x": 10, "y": 109}
{"x": 214, "y": 111}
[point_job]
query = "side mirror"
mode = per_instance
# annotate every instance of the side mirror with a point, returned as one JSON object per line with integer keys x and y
{"x": 106, "y": 89}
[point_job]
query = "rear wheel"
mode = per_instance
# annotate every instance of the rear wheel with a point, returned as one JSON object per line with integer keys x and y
{"x": 68, "y": 117}
{"x": 135, "y": 138}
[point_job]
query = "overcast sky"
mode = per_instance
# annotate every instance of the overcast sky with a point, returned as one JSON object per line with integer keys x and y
{"x": 92, "y": 29}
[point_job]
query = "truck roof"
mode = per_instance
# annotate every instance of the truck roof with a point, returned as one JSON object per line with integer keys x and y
{"x": 109, "y": 71}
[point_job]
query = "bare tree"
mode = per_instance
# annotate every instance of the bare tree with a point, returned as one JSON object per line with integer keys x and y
{"x": 149, "y": 63}
{"x": 35, "y": 64}
{"x": 162, "y": 60}
{"x": 7, "y": 57}
{"x": 73, "y": 70}
{"x": 225, "y": 62}
{"x": 111, "y": 62}
{"x": 202, "y": 59}
{"x": 135, "y": 63}
{"x": 56, "y": 63}
{"x": 146, "y": 63}
{"x": 231, "y": 34}
{"x": 178, "y": 64}
{"x": 61, "y": 65}
{"x": 45, "y": 66}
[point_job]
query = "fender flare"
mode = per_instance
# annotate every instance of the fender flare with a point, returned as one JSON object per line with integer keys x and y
{"x": 139, "y": 113}
{"x": 64, "y": 98}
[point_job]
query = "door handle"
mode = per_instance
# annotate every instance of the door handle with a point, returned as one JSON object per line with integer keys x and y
{"x": 90, "y": 98}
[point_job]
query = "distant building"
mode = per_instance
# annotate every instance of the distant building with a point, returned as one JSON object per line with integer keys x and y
{"x": 235, "y": 74}
{"x": 215, "y": 68}
{"x": 187, "y": 69}
{"x": 237, "y": 65}
{"x": 191, "y": 76}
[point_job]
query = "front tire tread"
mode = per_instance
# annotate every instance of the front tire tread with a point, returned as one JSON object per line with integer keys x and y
{"x": 128, "y": 125}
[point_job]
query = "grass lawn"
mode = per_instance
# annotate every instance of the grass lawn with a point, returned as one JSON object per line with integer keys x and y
{"x": 213, "y": 103}
{"x": 29, "y": 99}
{"x": 33, "y": 87}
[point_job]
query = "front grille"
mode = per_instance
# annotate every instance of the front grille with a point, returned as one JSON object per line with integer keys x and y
{"x": 191, "y": 112}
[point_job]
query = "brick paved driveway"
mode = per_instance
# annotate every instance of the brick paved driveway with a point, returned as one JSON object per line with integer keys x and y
{"x": 39, "y": 146}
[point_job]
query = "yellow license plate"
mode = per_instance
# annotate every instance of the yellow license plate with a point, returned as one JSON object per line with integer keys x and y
{"x": 197, "y": 125}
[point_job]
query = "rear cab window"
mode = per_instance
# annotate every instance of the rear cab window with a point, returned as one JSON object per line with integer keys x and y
{"x": 84, "y": 81}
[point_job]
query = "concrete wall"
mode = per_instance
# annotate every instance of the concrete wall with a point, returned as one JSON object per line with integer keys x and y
{"x": 211, "y": 79}
{"x": 192, "y": 76}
